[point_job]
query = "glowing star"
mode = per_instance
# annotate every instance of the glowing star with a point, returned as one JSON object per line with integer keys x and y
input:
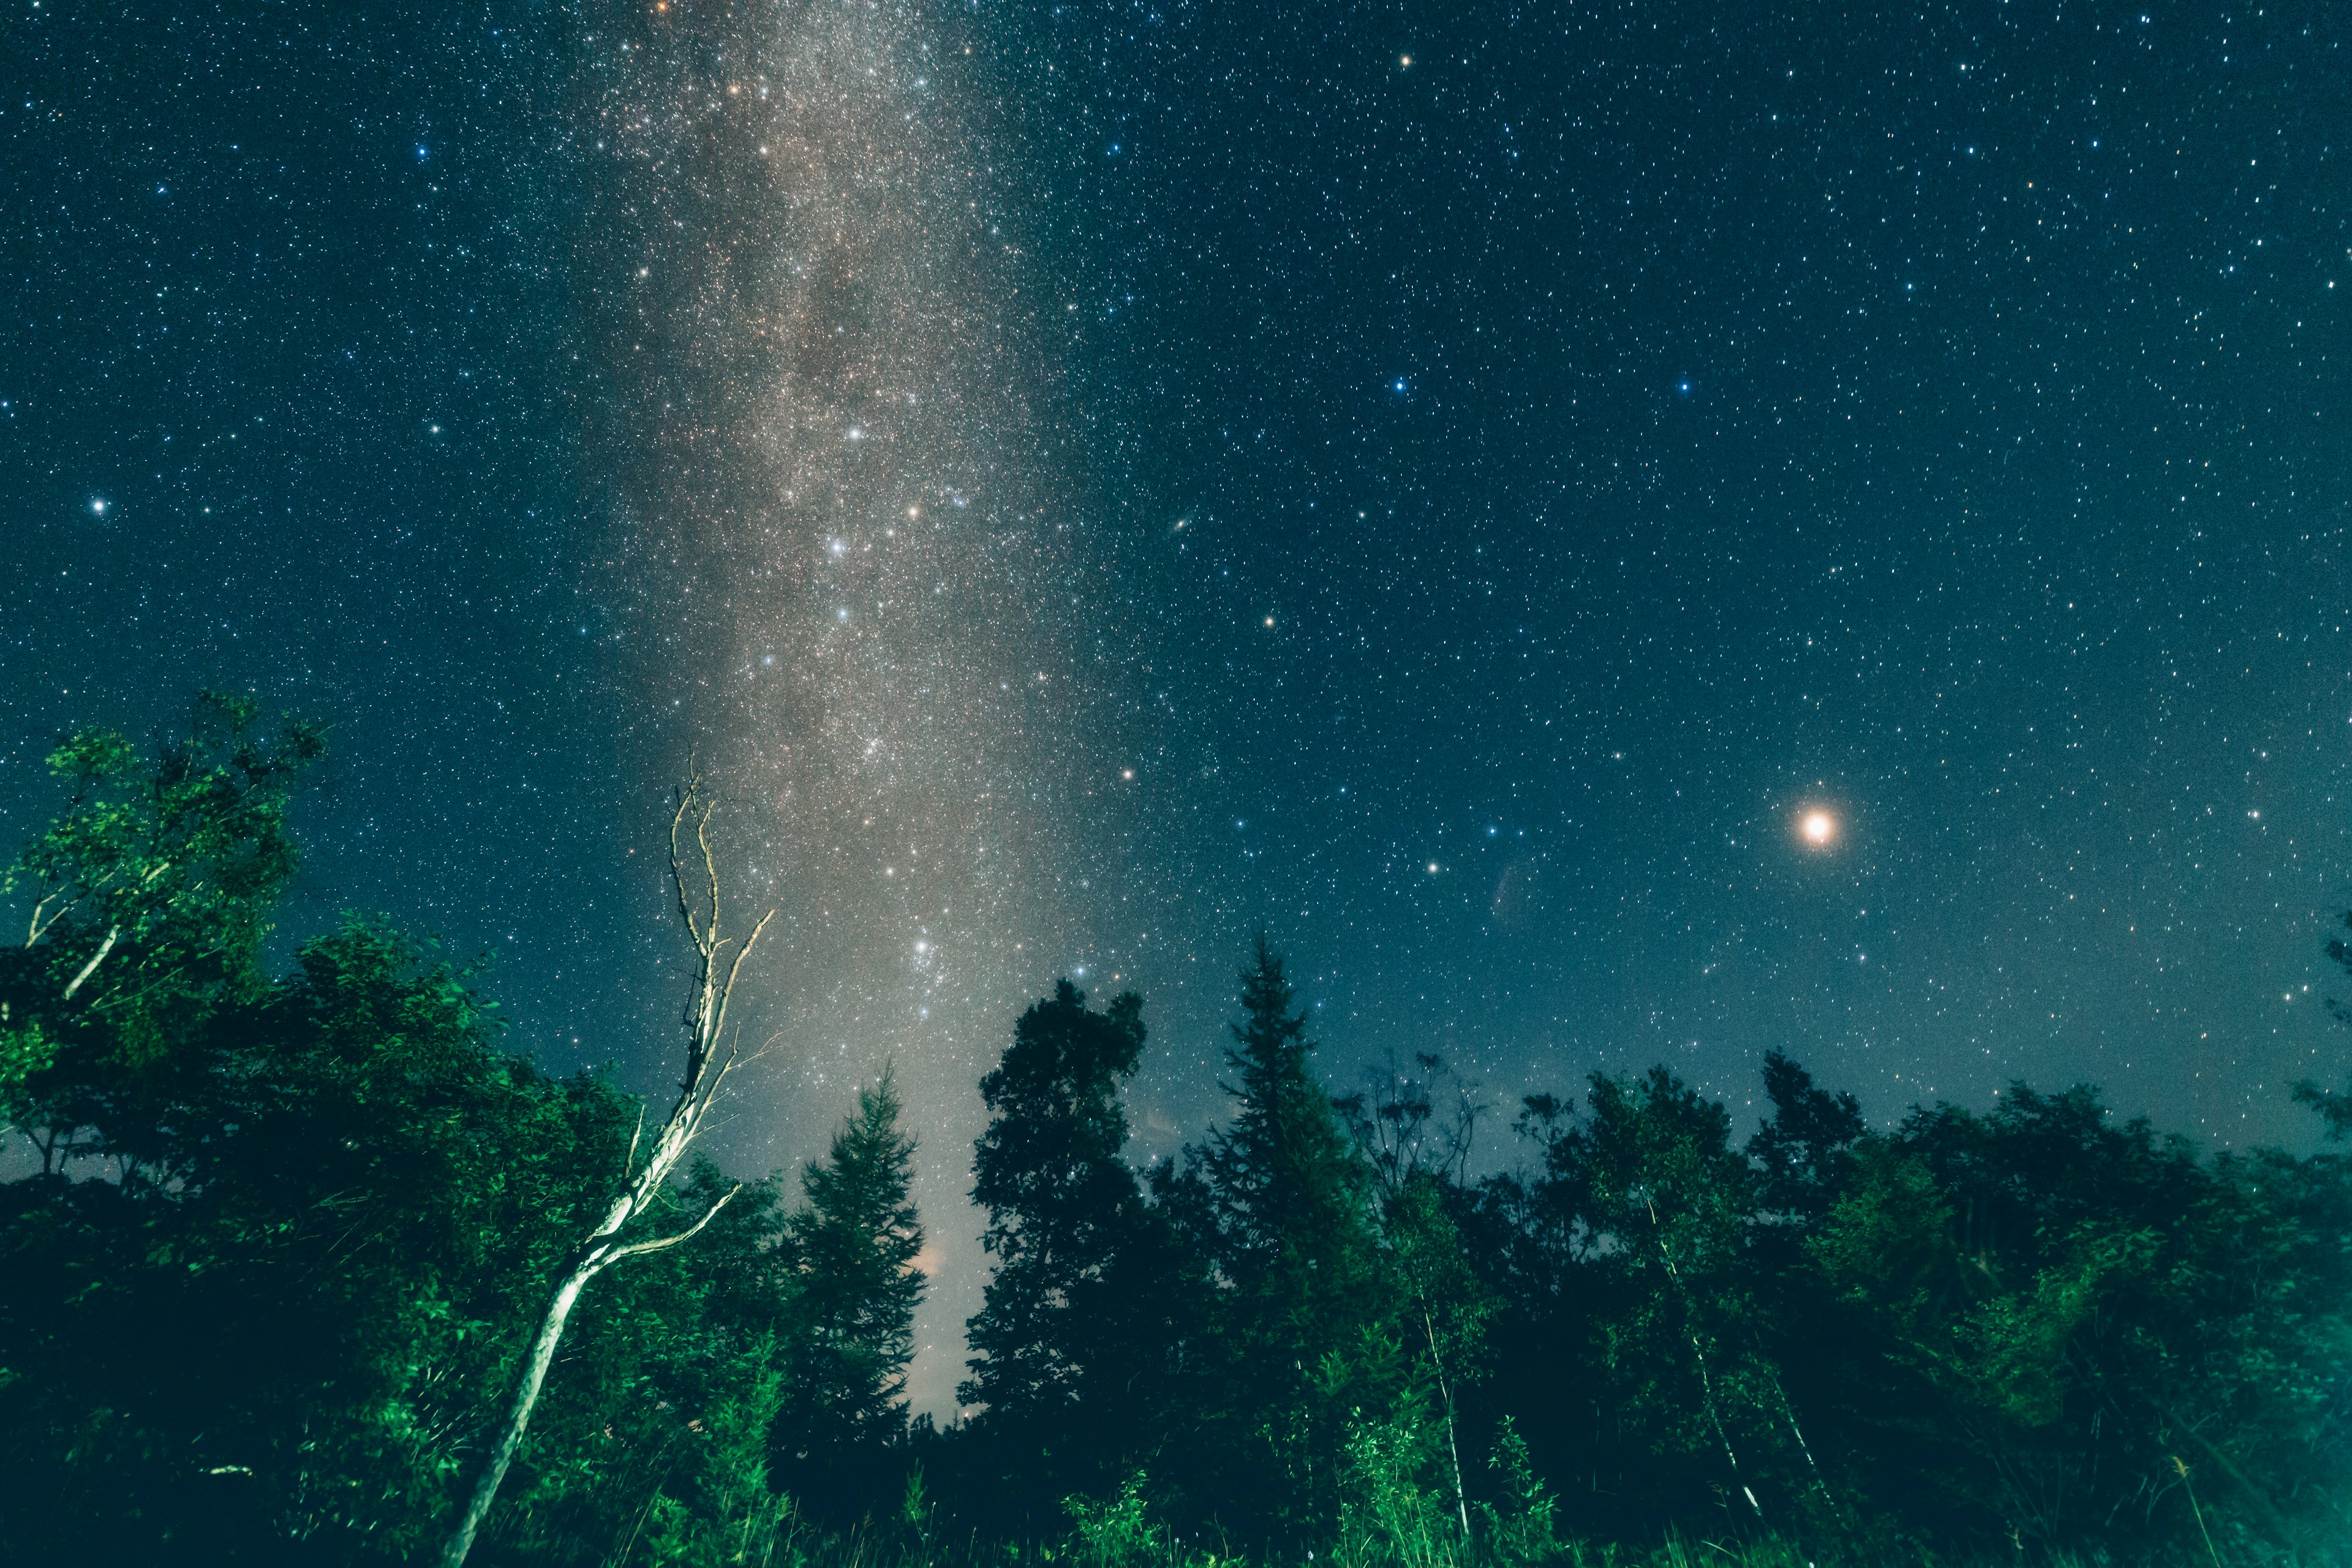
{"x": 1819, "y": 828}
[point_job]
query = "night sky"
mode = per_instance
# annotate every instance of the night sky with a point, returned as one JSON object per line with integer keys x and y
{"x": 1454, "y": 486}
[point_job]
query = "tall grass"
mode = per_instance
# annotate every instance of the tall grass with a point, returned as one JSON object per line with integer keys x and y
{"x": 1120, "y": 1535}
{"x": 1391, "y": 1526}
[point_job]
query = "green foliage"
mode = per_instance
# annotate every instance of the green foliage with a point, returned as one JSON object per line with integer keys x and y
{"x": 1291, "y": 1196}
{"x": 1301, "y": 1325}
{"x": 330, "y": 1212}
{"x": 1669, "y": 1313}
{"x": 1118, "y": 1531}
{"x": 2052, "y": 1309}
{"x": 266, "y": 1290}
{"x": 1388, "y": 1514}
{"x": 145, "y": 899}
{"x": 1519, "y": 1526}
{"x": 656, "y": 1425}
{"x": 855, "y": 1245}
{"x": 26, "y": 1047}
{"x": 1060, "y": 1199}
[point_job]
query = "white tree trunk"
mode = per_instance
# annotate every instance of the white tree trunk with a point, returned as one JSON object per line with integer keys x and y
{"x": 706, "y": 1020}
{"x": 542, "y": 1353}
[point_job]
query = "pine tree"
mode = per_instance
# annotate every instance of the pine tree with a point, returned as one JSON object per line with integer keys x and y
{"x": 1306, "y": 1342}
{"x": 856, "y": 1244}
{"x": 1293, "y": 1198}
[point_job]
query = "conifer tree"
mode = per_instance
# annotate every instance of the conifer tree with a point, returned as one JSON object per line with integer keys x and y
{"x": 1293, "y": 1198}
{"x": 856, "y": 1244}
{"x": 1287, "y": 1207}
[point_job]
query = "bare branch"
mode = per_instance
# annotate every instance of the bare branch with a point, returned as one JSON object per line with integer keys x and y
{"x": 662, "y": 1243}
{"x": 33, "y": 930}
{"x": 96, "y": 959}
{"x": 678, "y": 871}
{"x": 706, "y": 1021}
{"x": 710, "y": 870}
{"x": 726, "y": 992}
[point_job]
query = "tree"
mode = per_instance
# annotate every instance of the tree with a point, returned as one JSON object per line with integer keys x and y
{"x": 2333, "y": 1109}
{"x": 1811, "y": 1131}
{"x": 1091, "y": 1301}
{"x": 855, "y": 1246}
{"x": 1645, "y": 1211}
{"x": 656, "y": 1428}
{"x": 2053, "y": 1315}
{"x": 270, "y": 1325}
{"x": 1293, "y": 1198}
{"x": 1443, "y": 1299}
{"x": 148, "y": 893}
{"x": 643, "y": 1186}
{"x": 1308, "y": 1338}
{"x": 1060, "y": 1202}
{"x": 1396, "y": 1123}
{"x": 1419, "y": 1160}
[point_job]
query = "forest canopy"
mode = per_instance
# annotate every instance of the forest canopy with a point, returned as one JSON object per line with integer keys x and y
{"x": 273, "y": 1247}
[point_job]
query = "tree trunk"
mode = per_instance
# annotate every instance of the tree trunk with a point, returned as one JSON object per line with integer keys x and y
{"x": 706, "y": 1069}
{"x": 542, "y": 1354}
{"x": 1453, "y": 1446}
{"x": 96, "y": 959}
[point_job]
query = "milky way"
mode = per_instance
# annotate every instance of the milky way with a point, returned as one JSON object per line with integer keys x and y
{"x": 845, "y": 511}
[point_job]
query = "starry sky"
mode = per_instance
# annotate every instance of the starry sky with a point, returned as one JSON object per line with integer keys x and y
{"x": 1456, "y": 486}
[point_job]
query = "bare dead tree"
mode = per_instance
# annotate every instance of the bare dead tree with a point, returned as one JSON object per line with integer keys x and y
{"x": 706, "y": 1069}
{"x": 1402, "y": 1127}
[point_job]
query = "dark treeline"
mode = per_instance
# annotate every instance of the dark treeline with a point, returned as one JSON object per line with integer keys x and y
{"x": 273, "y": 1247}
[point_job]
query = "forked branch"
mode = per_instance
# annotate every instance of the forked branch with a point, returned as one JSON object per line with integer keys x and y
{"x": 706, "y": 1021}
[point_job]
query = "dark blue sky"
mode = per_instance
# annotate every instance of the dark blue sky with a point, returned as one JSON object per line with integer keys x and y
{"x": 1449, "y": 484}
